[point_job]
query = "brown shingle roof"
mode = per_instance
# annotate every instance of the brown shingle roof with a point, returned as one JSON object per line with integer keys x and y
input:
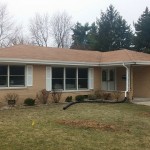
{"x": 124, "y": 56}
{"x": 57, "y": 54}
{"x": 43, "y": 53}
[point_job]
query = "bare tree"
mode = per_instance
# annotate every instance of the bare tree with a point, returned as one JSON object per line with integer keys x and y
{"x": 6, "y": 26}
{"x": 61, "y": 28}
{"x": 18, "y": 36}
{"x": 40, "y": 30}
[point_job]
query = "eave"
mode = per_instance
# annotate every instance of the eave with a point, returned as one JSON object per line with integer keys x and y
{"x": 69, "y": 63}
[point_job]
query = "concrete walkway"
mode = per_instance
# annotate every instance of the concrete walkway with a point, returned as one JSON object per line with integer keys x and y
{"x": 141, "y": 101}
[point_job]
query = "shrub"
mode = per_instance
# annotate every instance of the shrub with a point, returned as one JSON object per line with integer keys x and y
{"x": 92, "y": 97}
{"x": 29, "y": 101}
{"x": 11, "y": 98}
{"x": 117, "y": 95}
{"x": 68, "y": 99}
{"x": 79, "y": 98}
{"x": 98, "y": 94}
{"x": 42, "y": 96}
{"x": 106, "y": 96}
{"x": 56, "y": 95}
{"x": 85, "y": 96}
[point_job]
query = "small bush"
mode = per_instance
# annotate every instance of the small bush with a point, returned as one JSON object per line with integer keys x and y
{"x": 98, "y": 94}
{"x": 79, "y": 98}
{"x": 29, "y": 102}
{"x": 92, "y": 97}
{"x": 117, "y": 95}
{"x": 42, "y": 96}
{"x": 106, "y": 96}
{"x": 56, "y": 95}
{"x": 85, "y": 96}
{"x": 68, "y": 99}
{"x": 11, "y": 98}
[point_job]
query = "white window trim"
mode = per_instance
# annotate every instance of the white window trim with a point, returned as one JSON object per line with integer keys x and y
{"x": 48, "y": 78}
{"x": 91, "y": 78}
{"x": 64, "y": 78}
{"x": 29, "y": 77}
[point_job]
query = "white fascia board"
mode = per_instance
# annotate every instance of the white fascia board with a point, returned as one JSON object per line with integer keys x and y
{"x": 119, "y": 63}
{"x": 143, "y": 63}
{"x": 70, "y": 63}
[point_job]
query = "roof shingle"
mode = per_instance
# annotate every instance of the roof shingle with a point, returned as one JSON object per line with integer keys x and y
{"x": 60, "y": 54}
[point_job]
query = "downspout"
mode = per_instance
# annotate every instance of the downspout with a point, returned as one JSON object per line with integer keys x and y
{"x": 127, "y": 80}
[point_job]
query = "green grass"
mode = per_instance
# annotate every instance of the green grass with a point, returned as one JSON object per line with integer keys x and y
{"x": 86, "y": 127}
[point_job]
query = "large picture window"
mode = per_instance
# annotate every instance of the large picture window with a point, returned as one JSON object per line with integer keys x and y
{"x": 69, "y": 78}
{"x": 12, "y": 76}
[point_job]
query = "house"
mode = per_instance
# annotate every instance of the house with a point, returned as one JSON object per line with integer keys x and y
{"x": 26, "y": 69}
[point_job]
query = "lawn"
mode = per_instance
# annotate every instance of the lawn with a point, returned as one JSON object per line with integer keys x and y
{"x": 80, "y": 127}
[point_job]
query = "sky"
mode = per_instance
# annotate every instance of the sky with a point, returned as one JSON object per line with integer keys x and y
{"x": 81, "y": 10}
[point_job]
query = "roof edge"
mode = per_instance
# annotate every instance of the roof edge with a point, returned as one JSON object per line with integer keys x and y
{"x": 70, "y": 63}
{"x": 47, "y": 62}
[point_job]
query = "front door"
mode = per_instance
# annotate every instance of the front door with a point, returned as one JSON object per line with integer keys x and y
{"x": 108, "y": 79}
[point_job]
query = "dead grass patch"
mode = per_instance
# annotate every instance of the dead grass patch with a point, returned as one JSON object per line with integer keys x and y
{"x": 88, "y": 124}
{"x": 147, "y": 114}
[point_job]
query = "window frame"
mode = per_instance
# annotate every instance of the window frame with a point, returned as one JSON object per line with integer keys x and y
{"x": 8, "y": 85}
{"x": 83, "y": 78}
{"x": 66, "y": 78}
{"x": 77, "y": 79}
{"x": 58, "y": 78}
{"x": 16, "y": 75}
{"x": 5, "y": 75}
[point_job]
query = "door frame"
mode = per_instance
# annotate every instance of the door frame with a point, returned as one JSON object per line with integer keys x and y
{"x": 108, "y": 73}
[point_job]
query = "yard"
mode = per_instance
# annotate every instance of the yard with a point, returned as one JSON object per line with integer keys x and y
{"x": 80, "y": 127}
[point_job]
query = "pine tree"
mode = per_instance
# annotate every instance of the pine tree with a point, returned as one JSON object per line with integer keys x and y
{"x": 79, "y": 36}
{"x": 142, "y": 32}
{"x": 92, "y": 37}
{"x": 113, "y": 31}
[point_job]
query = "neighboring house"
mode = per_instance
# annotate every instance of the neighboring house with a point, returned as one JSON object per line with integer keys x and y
{"x": 26, "y": 70}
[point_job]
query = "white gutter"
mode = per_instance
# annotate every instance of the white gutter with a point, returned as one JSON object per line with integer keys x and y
{"x": 70, "y": 63}
{"x": 127, "y": 79}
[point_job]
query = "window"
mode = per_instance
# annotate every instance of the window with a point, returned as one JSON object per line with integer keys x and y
{"x": 71, "y": 79}
{"x": 111, "y": 75}
{"x": 57, "y": 78}
{"x": 83, "y": 78}
{"x": 3, "y": 76}
{"x": 16, "y": 76}
{"x": 12, "y": 76}
{"x": 104, "y": 75}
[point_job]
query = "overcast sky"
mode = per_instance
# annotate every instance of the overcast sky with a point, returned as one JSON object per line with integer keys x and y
{"x": 80, "y": 10}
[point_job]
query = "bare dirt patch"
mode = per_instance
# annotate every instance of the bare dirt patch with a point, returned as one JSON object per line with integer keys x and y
{"x": 147, "y": 114}
{"x": 88, "y": 124}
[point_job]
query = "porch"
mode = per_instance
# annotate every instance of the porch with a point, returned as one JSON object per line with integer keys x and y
{"x": 132, "y": 80}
